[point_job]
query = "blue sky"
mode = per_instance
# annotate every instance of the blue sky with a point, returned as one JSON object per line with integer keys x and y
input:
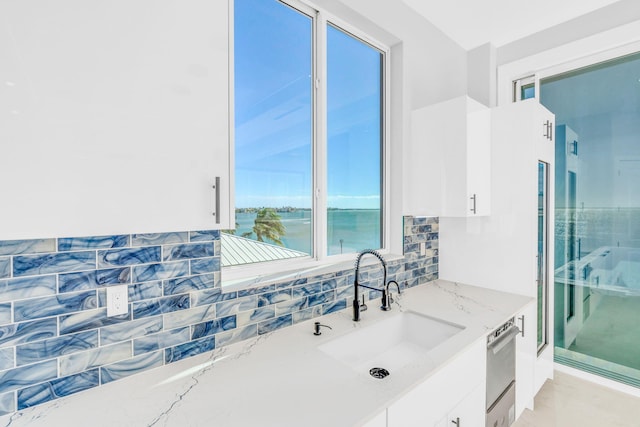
{"x": 273, "y": 101}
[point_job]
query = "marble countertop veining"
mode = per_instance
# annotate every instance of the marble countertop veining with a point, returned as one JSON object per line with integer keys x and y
{"x": 281, "y": 378}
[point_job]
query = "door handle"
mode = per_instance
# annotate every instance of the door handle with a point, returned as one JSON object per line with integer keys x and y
{"x": 216, "y": 188}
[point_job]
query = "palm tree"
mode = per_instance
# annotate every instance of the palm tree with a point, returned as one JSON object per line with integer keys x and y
{"x": 268, "y": 225}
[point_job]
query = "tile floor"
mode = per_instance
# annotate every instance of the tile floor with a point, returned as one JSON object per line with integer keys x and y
{"x": 568, "y": 401}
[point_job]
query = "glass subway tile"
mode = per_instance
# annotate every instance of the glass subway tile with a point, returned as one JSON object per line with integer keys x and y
{"x": 189, "y": 349}
{"x": 188, "y": 284}
{"x": 5, "y": 267}
{"x": 187, "y": 251}
{"x": 132, "y": 366}
{"x": 27, "y": 265}
{"x": 15, "y": 247}
{"x": 54, "y": 347}
{"x": 98, "y": 242}
{"x": 151, "y": 239}
{"x": 7, "y": 403}
{"x": 89, "y": 319}
{"x": 57, "y": 388}
{"x": 189, "y": 317}
{"x": 128, "y": 256}
{"x": 24, "y": 332}
{"x": 35, "y": 308}
{"x": 85, "y": 360}
{"x": 204, "y": 235}
{"x": 274, "y": 324}
{"x": 25, "y": 376}
{"x": 70, "y": 282}
{"x": 129, "y": 330}
{"x": 162, "y": 305}
{"x": 162, "y": 271}
{"x": 161, "y": 340}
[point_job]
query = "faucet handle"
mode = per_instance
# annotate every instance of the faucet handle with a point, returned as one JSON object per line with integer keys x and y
{"x": 363, "y": 306}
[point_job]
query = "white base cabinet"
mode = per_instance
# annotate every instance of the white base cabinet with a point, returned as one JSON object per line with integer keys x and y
{"x": 526, "y": 358}
{"x": 465, "y": 413}
{"x": 457, "y": 391}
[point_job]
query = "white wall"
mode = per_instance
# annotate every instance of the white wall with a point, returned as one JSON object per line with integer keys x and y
{"x": 481, "y": 74}
{"x": 600, "y": 21}
{"x": 434, "y": 65}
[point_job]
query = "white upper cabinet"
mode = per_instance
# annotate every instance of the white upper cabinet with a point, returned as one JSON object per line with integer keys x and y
{"x": 448, "y": 162}
{"x": 114, "y": 117}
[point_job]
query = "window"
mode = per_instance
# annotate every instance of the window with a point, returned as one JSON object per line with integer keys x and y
{"x": 524, "y": 88}
{"x": 597, "y": 216}
{"x": 354, "y": 143}
{"x": 309, "y": 136}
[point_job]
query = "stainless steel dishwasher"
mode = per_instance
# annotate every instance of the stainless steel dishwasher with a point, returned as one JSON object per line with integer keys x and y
{"x": 501, "y": 375}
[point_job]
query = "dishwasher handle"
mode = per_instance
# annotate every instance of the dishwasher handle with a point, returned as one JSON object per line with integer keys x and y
{"x": 503, "y": 340}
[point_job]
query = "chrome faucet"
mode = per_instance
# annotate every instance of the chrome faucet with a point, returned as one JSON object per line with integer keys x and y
{"x": 386, "y": 295}
{"x": 387, "y": 299}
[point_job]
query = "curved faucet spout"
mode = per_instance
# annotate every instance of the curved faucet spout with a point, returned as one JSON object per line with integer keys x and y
{"x": 387, "y": 299}
{"x": 356, "y": 300}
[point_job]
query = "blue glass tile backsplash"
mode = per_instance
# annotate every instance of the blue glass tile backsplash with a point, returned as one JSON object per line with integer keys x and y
{"x": 56, "y": 338}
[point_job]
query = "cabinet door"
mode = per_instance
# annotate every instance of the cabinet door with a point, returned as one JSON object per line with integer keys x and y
{"x": 526, "y": 358}
{"x": 453, "y": 139}
{"x": 478, "y": 163}
{"x": 428, "y": 403}
{"x": 115, "y": 116}
{"x": 466, "y": 158}
{"x": 469, "y": 412}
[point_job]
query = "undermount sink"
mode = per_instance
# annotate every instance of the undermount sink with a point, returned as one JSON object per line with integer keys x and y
{"x": 390, "y": 343}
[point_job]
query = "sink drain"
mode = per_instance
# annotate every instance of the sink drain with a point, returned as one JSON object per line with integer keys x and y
{"x": 379, "y": 373}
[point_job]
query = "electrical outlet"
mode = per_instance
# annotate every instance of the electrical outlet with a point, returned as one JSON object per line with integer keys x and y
{"x": 117, "y": 300}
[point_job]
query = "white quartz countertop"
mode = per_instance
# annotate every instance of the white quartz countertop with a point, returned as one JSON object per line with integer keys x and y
{"x": 281, "y": 378}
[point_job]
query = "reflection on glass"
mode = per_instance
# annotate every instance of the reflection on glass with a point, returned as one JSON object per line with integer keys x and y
{"x": 597, "y": 218}
{"x": 528, "y": 91}
{"x": 354, "y": 143}
{"x": 541, "y": 279}
{"x": 273, "y": 133}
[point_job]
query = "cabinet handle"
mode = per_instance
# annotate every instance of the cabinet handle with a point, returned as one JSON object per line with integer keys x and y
{"x": 473, "y": 198}
{"x": 216, "y": 188}
{"x": 548, "y": 130}
{"x": 456, "y": 421}
{"x": 521, "y": 318}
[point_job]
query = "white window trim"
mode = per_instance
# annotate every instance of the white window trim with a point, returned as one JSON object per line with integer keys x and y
{"x": 250, "y": 275}
{"x": 524, "y": 81}
{"x": 604, "y": 46}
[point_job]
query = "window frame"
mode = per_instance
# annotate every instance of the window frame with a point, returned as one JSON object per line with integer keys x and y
{"x": 524, "y": 82}
{"x": 258, "y": 273}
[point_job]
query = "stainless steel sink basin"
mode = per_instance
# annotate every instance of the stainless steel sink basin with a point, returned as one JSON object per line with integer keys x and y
{"x": 391, "y": 343}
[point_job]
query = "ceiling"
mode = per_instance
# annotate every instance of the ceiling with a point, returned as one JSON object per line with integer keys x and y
{"x": 472, "y": 23}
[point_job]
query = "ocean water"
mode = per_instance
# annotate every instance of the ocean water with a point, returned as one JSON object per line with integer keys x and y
{"x": 349, "y": 230}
